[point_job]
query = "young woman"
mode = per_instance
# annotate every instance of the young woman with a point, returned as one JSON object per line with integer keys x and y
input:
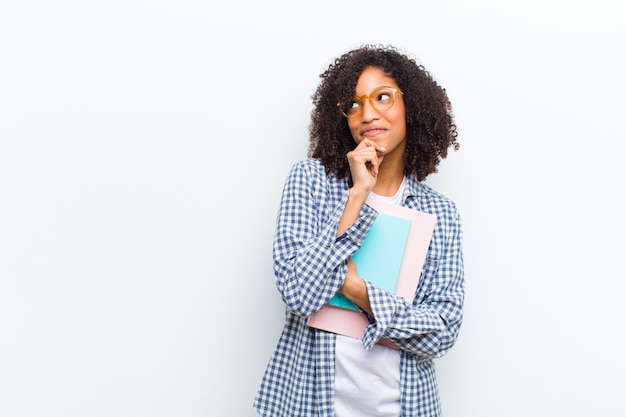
{"x": 379, "y": 127}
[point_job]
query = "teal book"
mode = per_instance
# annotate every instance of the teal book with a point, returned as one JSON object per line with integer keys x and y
{"x": 379, "y": 259}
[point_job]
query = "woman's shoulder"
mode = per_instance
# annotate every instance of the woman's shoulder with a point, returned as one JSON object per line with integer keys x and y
{"x": 429, "y": 197}
{"x": 310, "y": 164}
{"x": 311, "y": 167}
{"x": 436, "y": 195}
{"x": 310, "y": 172}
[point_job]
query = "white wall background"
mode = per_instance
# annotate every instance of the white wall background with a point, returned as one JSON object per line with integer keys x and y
{"x": 143, "y": 149}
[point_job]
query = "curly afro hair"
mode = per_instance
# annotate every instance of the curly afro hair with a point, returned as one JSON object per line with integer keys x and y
{"x": 430, "y": 128}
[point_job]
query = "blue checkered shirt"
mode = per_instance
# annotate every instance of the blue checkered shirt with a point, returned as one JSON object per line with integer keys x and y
{"x": 310, "y": 265}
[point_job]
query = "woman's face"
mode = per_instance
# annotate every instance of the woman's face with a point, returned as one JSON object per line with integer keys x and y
{"x": 386, "y": 127}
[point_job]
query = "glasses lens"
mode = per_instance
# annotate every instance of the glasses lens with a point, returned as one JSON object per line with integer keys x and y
{"x": 382, "y": 98}
{"x": 354, "y": 107}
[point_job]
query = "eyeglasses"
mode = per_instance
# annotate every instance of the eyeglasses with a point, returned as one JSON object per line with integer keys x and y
{"x": 381, "y": 99}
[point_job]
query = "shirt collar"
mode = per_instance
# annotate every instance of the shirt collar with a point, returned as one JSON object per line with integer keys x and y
{"x": 414, "y": 188}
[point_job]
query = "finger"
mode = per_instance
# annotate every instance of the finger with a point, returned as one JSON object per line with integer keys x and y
{"x": 375, "y": 162}
{"x": 367, "y": 143}
{"x": 368, "y": 158}
{"x": 371, "y": 159}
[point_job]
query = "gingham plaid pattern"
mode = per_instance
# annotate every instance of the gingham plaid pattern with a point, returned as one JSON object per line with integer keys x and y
{"x": 310, "y": 263}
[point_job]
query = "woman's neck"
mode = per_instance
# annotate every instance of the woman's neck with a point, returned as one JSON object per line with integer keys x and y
{"x": 389, "y": 179}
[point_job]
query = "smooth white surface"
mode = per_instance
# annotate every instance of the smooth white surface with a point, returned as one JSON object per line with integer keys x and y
{"x": 143, "y": 148}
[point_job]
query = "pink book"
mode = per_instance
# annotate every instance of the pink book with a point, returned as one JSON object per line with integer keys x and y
{"x": 350, "y": 322}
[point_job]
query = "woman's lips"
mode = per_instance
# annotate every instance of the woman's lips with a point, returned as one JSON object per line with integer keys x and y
{"x": 372, "y": 131}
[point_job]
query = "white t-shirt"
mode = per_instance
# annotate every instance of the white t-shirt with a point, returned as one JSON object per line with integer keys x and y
{"x": 367, "y": 382}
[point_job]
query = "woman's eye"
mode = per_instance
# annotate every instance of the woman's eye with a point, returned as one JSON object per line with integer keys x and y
{"x": 383, "y": 96}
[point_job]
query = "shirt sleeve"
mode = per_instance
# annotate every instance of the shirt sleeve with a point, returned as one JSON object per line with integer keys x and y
{"x": 429, "y": 327}
{"x": 309, "y": 259}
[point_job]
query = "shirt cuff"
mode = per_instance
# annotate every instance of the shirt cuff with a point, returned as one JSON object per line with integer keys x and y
{"x": 384, "y": 306}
